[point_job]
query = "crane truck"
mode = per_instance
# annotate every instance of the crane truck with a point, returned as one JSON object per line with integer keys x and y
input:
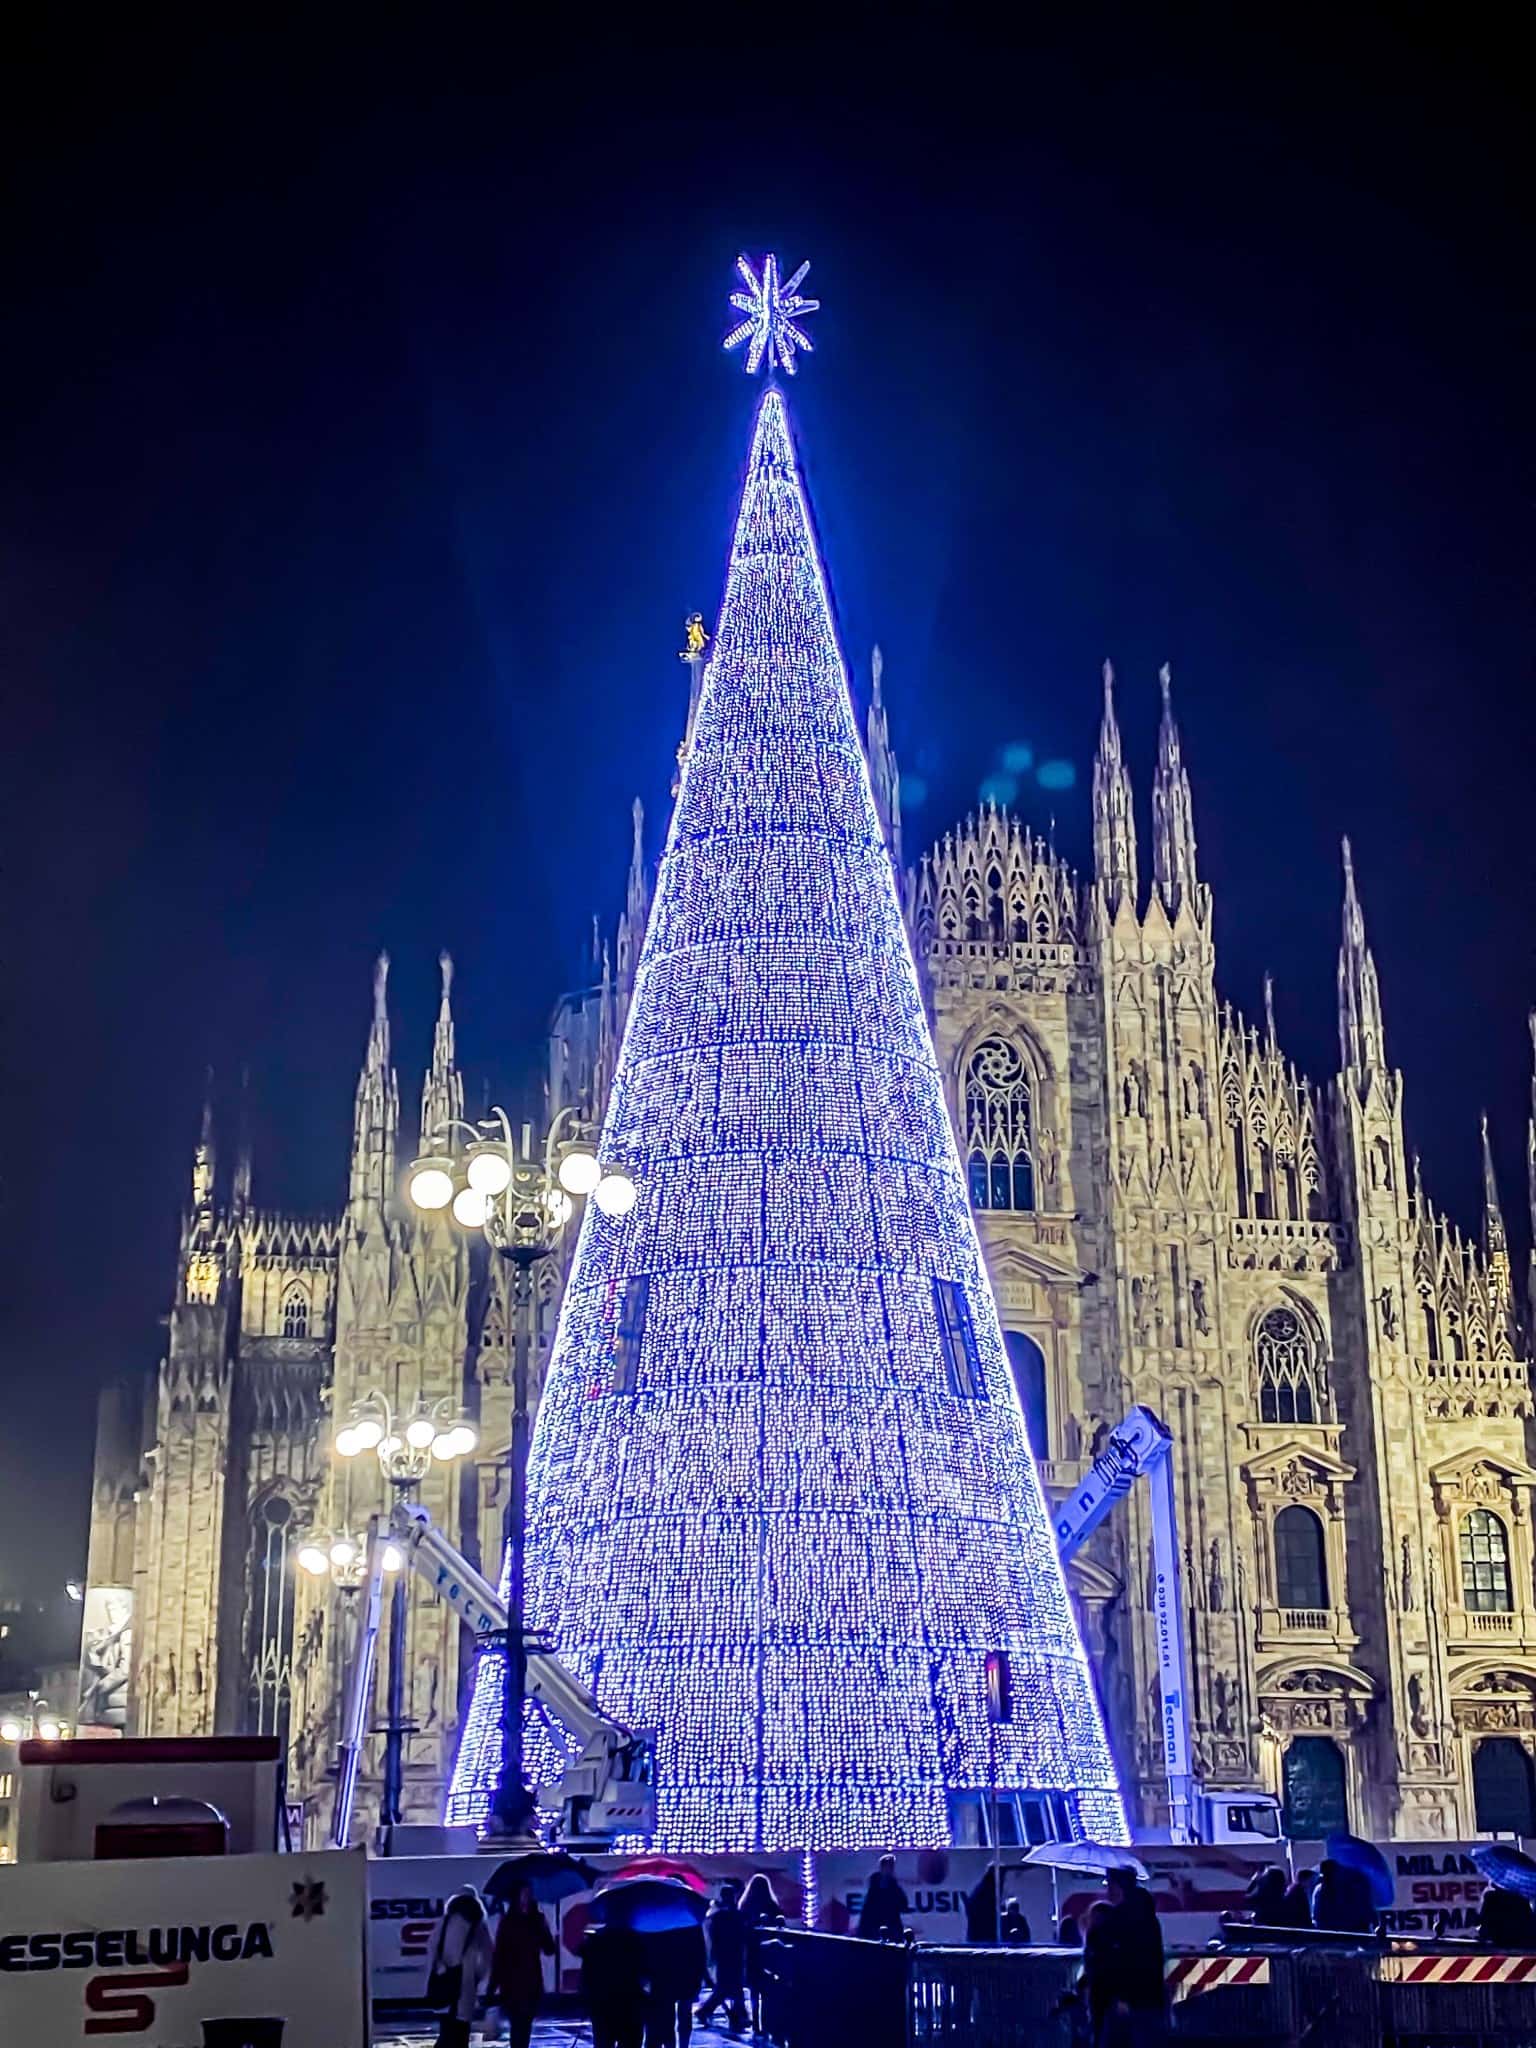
{"x": 1142, "y": 1448}
{"x": 607, "y": 1786}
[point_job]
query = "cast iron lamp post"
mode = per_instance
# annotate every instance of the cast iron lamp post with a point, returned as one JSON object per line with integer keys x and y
{"x": 407, "y": 1448}
{"x": 523, "y": 1203}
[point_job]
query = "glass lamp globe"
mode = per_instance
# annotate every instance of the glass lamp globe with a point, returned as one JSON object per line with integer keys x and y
{"x": 469, "y": 1208}
{"x": 420, "y": 1433}
{"x": 394, "y": 1557}
{"x": 10, "y": 1731}
{"x": 343, "y": 1552}
{"x": 463, "y": 1439}
{"x": 615, "y": 1194}
{"x": 391, "y": 1447}
{"x": 312, "y": 1559}
{"x": 368, "y": 1434}
{"x": 489, "y": 1172}
{"x": 580, "y": 1173}
{"x": 347, "y": 1445}
{"x": 48, "y": 1731}
{"x": 430, "y": 1186}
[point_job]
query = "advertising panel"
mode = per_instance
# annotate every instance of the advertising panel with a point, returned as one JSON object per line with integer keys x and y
{"x": 70, "y": 1789}
{"x": 106, "y": 1652}
{"x": 1436, "y": 1888}
{"x": 199, "y": 1952}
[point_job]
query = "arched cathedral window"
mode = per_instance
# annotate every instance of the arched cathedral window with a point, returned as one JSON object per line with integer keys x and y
{"x": 269, "y": 1622}
{"x": 295, "y": 1311}
{"x": 999, "y": 1127}
{"x": 1290, "y": 1387}
{"x": 1485, "y": 1581}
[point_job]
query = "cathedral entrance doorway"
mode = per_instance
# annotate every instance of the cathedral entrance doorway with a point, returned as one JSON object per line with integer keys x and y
{"x": 1313, "y": 1788}
{"x": 1503, "y": 1790}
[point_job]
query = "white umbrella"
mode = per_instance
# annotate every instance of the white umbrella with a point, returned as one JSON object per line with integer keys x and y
{"x": 1096, "y": 1857}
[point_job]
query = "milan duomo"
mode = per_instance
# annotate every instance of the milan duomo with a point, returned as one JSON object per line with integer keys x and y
{"x": 1171, "y": 1214}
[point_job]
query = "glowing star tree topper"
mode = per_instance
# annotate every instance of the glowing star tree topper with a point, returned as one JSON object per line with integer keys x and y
{"x": 773, "y": 309}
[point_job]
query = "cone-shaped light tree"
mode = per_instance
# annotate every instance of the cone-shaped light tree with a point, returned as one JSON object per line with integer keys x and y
{"x": 781, "y": 1501}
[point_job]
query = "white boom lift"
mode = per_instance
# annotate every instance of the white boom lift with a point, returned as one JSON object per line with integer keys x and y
{"x": 608, "y": 1785}
{"x": 1141, "y": 1448}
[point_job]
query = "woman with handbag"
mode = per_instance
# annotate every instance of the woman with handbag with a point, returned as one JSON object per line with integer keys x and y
{"x": 460, "y": 1966}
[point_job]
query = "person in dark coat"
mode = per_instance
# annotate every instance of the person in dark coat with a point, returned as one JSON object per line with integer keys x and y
{"x": 1342, "y": 1901}
{"x": 760, "y": 1914}
{"x": 884, "y": 1903}
{"x": 1505, "y": 1920}
{"x": 1264, "y": 1900}
{"x": 523, "y": 1940}
{"x": 1124, "y": 1962}
{"x": 1296, "y": 1906}
{"x": 727, "y": 1938}
{"x": 676, "y": 1964}
{"x": 1015, "y": 1926}
{"x": 612, "y": 1985}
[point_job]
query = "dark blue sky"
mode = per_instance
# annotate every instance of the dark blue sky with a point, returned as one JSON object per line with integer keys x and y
{"x": 365, "y": 440}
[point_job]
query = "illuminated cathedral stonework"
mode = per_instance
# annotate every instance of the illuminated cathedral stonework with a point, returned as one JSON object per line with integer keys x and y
{"x": 1171, "y": 1214}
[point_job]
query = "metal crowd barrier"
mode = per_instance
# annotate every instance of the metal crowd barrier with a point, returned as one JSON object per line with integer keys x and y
{"x": 834, "y": 1991}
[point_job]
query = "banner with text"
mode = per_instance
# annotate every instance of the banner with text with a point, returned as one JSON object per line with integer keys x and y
{"x": 200, "y": 1952}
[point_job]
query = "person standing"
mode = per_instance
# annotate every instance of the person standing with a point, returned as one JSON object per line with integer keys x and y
{"x": 523, "y": 1940}
{"x": 459, "y": 1967}
{"x": 884, "y": 1903}
{"x": 675, "y": 1967}
{"x": 612, "y": 1985}
{"x": 727, "y": 1939}
{"x": 759, "y": 1914}
{"x": 1124, "y": 1963}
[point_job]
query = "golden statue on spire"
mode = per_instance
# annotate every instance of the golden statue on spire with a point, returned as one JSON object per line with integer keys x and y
{"x": 698, "y": 639}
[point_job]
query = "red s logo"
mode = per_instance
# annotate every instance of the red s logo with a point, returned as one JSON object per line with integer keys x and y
{"x": 122, "y": 2002}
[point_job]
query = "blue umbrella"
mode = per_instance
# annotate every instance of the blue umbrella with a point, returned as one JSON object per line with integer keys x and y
{"x": 1509, "y": 1868}
{"x": 1353, "y": 1854}
{"x": 650, "y": 1905}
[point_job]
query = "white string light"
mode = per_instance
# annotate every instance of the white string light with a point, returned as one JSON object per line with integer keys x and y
{"x": 784, "y": 1536}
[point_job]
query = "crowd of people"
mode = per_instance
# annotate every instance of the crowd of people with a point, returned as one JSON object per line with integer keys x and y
{"x": 640, "y": 1988}
{"x": 1335, "y": 1897}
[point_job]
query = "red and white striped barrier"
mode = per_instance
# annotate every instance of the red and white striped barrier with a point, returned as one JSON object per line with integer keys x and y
{"x": 1187, "y": 1976}
{"x": 1457, "y": 1969}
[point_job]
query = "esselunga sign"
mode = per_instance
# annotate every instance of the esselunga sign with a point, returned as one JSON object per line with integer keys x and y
{"x": 196, "y": 1952}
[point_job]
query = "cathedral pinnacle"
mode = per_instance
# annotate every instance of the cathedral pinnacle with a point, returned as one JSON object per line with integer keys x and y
{"x": 1362, "y": 1042}
{"x": 883, "y": 774}
{"x": 1114, "y": 822}
{"x": 205, "y": 1156}
{"x": 1495, "y": 1240}
{"x": 442, "y": 1093}
{"x": 1173, "y": 818}
{"x": 376, "y": 1114}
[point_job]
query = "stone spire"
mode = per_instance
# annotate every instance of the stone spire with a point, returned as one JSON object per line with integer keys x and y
{"x": 1362, "y": 1042}
{"x": 637, "y": 907}
{"x": 442, "y": 1092}
{"x": 883, "y": 774}
{"x": 240, "y": 1192}
{"x": 205, "y": 1156}
{"x": 376, "y": 1116}
{"x": 1495, "y": 1239}
{"x": 1173, "y": 818}
{"x": 1114, "y": 823}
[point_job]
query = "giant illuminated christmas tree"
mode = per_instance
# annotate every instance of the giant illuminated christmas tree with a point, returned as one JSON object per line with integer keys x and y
{"x": 781, "y": 1499}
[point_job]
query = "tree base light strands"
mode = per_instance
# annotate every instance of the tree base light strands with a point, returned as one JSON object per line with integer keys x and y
{"x": 782, "y": 1504}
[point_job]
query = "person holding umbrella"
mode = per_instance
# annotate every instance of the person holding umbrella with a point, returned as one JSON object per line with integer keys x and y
{"x": 459, "y": 1966}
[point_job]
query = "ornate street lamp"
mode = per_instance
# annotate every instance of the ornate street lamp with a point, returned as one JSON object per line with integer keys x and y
{"x": 407, "y": 1447}
{"x": 523, "y": 1203}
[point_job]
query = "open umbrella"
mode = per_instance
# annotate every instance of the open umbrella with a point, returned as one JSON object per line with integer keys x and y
{"x": 1094, "y": 1858}
{"x": 552, "y": 1873}
{"x": 1354, "y": 1854}
{"x": 649, "y": 1905}
{"x": 1509, "y": 1868}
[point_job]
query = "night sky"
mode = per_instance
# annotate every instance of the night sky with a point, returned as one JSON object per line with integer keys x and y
{"x": 365, "y": 441}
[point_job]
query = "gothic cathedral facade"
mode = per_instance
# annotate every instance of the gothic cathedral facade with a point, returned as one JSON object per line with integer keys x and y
{"x": 1172, "y": 1216}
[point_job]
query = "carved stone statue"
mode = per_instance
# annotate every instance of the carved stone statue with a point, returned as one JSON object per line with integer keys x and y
{"x": 1200, "y": 1307}
{"x": 1418, "y": 1719}
{"x": 1387, "y": 1302}
{"x": 1225, "y": 1699}
{"x": 1216, "y": 1585}
{"x": 1406, "y": 1576}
